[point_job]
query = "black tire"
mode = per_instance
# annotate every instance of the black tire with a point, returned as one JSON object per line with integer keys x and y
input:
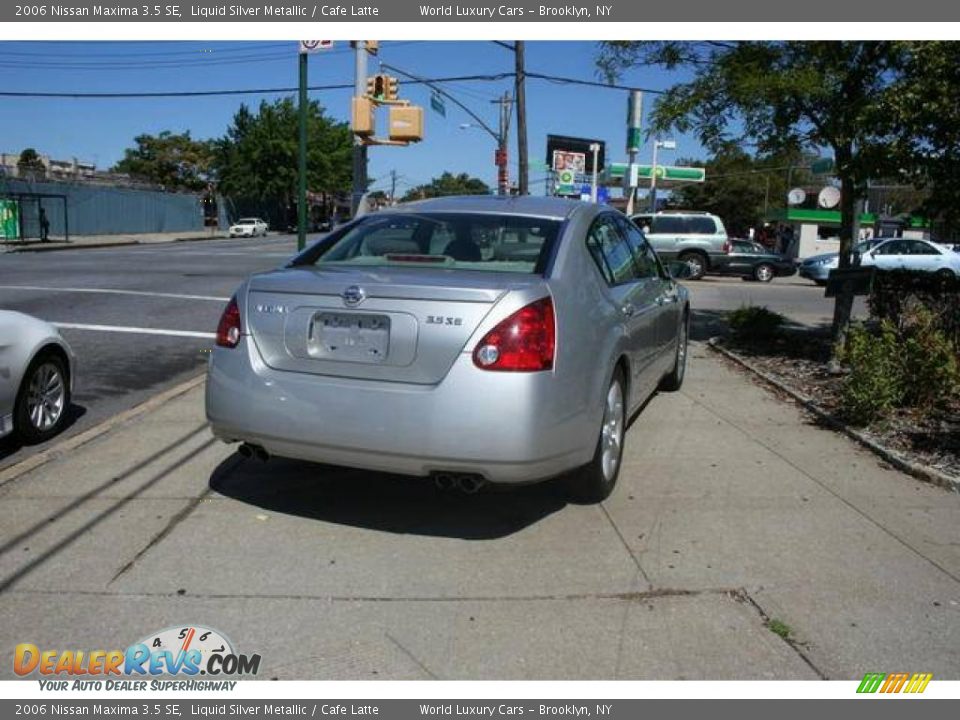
{"x": 673, "y": 381}
{"x": 821, "y": 283}
{"x": 34, "y": 430}
{"x": 594, "y": 482}
{"x": 945, "y": 273}
{"x": 697, "y": 262}
{"x": 764, "y": 272}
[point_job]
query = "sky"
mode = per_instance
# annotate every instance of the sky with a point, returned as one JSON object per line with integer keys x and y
{"x": 98, "y": 130}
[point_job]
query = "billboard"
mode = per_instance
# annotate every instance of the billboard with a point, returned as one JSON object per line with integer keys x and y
{"x": 568, "y": 146}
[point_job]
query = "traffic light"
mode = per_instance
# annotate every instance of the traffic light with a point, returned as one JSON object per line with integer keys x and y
{"x": 406, "y": 123}
{"x": 392, "y": 87}
{"x": 363, "y": 117}
{"x": 375, "y": 86}
{"x": 383, "y": 87}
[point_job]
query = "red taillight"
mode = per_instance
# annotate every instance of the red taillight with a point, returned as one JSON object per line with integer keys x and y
{"x": 525, "y": 341}
{"x": 228, "y": 331}
{"x": 727, "y": 247}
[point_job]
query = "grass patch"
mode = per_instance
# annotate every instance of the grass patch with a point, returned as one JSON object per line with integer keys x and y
{"x": 778, "y": 627}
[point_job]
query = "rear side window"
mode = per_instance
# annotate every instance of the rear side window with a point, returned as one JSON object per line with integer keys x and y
{"x": 610, "y": 251}
{"x": 465, "y": 241}
{"x": 701, "y": 225}
{"x": 669, "y": 224}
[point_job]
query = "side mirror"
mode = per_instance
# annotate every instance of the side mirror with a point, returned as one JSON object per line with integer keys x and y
{"x": 679, "y": 270}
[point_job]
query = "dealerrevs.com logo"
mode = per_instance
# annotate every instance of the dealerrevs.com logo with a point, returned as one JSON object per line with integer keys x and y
{"x": 185, "y": 652}
{"x": 894, "y": 683}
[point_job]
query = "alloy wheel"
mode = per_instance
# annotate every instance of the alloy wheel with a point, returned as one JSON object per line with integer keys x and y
{"x": 612, "y": 431}
{"x": 46, "y": 393}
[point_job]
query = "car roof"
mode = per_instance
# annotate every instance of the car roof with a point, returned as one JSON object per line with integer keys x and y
{"x": 536, "y": 206}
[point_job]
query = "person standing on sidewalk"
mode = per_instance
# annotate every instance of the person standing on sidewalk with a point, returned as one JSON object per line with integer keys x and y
{"x": 44, "y": 226}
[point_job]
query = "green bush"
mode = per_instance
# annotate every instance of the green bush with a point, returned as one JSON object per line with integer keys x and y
{"x": 894, "y": 292}
{"x": 874, "y": 385}
{"x": 755, "y": 322}
{"x": 930, "y": 371}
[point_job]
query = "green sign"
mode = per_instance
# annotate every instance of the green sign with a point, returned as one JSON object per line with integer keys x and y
{"x": 616, "y": 171}
{"x": 436, "y": 102}
{"x": 9, "y": 220}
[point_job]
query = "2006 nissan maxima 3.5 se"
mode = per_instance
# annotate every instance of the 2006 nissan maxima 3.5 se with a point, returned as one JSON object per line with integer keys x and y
{"x": 476, "y": 339}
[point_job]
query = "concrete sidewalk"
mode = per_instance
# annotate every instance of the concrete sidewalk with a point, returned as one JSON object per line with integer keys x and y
{"x": 78, "y": 242}
{"x": 733, "y": 511}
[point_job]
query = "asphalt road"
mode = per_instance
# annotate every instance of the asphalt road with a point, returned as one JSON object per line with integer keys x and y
{"x": 152, "y": 334}
{"x": 142, "y": 318}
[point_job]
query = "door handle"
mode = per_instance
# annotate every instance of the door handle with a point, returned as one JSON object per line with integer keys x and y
{"x": 627, "y": 309}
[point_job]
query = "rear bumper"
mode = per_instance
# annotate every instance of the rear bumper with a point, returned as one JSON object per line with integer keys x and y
{"x": 504, "y": 427}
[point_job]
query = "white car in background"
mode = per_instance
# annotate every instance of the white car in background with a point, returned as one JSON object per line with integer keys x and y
{"x": 249, "y": 227}
{"x": 36, "y": 377}
{"x": 909, "y": 254}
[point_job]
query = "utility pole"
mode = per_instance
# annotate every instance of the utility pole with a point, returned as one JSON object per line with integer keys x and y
{"x": 503, "y": 171}
{"x": 393, "y": 186}
{"x": 359, "y": 149}
{"x": 595, "y": 149}
{"x": 520, "y": 94}
{"x": 634, "y": 124}
{"x": 302, "y": 157}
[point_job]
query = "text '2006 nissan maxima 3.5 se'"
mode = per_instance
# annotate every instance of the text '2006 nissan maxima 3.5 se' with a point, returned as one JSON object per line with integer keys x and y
{"x": 476, "y": 339}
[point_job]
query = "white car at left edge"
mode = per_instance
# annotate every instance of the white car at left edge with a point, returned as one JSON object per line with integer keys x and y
{"x": 37, "y": 370}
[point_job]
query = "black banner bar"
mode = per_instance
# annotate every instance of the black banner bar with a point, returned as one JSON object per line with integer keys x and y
{"x": 418, "y": 11}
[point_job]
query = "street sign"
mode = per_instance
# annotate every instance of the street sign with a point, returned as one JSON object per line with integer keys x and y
{"x": 436, "y": 102}
{"x": 312, "y": 46}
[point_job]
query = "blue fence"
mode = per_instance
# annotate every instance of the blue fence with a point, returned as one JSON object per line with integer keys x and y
{"x": 106, "y": 210}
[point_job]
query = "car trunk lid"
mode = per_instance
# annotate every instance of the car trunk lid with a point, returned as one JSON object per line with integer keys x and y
{"x": 379, "y": 323}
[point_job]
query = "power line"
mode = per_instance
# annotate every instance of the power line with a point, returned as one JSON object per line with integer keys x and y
{"x": 495, "y": 77}
{"x": 250, "y": 91}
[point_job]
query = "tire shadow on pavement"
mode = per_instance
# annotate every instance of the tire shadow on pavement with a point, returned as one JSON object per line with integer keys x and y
{"x": 11, "y": 444}
{"x": 381, "y": 501}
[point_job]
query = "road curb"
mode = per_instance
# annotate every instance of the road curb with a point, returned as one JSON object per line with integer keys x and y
{"x": 42, "y": 458}
{"x": 93, "y": 246}
{"x": 921, "y": 472}
{"x": 79, "y": 246}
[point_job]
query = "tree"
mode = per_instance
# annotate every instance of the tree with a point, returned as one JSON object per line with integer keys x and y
{"x": 783, "y": 96}
{"x": 173, "y": 160}
{"x": 257, "y": 159}
{"x": 30, "y": 165}
{"x": 923, "y": 120}
{"x": 740, "y": 188}
{"x": 448, "y": 184}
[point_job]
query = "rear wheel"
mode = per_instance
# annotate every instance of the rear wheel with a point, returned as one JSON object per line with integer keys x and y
{"x": 674, "y": 380}
{"x": 43, "y": 398}
{"x": 697, "y": 263}
{"x": 595, "y": 481}
{"x": 945, "y": 273}
{"x": 764, "y": 272}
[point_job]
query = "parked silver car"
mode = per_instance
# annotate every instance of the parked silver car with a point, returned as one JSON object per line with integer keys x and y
{"x": 476, "y": 339}
{"x": 36, "y": 376}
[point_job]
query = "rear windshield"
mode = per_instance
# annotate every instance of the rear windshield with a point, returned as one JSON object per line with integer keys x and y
{"x": 464, "y": 241}
{"x": 246, "y": 221}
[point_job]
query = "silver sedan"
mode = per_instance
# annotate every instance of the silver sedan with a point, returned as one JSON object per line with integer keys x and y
{"x": 36, "y": 373}
{"x": 475, "y": 339}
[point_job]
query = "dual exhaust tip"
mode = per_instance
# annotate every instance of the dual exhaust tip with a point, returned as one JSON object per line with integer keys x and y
{"x": 254, "y": 452}
{"x": 467, "y": 484}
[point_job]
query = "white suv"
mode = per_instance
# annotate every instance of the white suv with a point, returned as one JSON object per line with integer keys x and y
{"x": 696, "y": 238}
